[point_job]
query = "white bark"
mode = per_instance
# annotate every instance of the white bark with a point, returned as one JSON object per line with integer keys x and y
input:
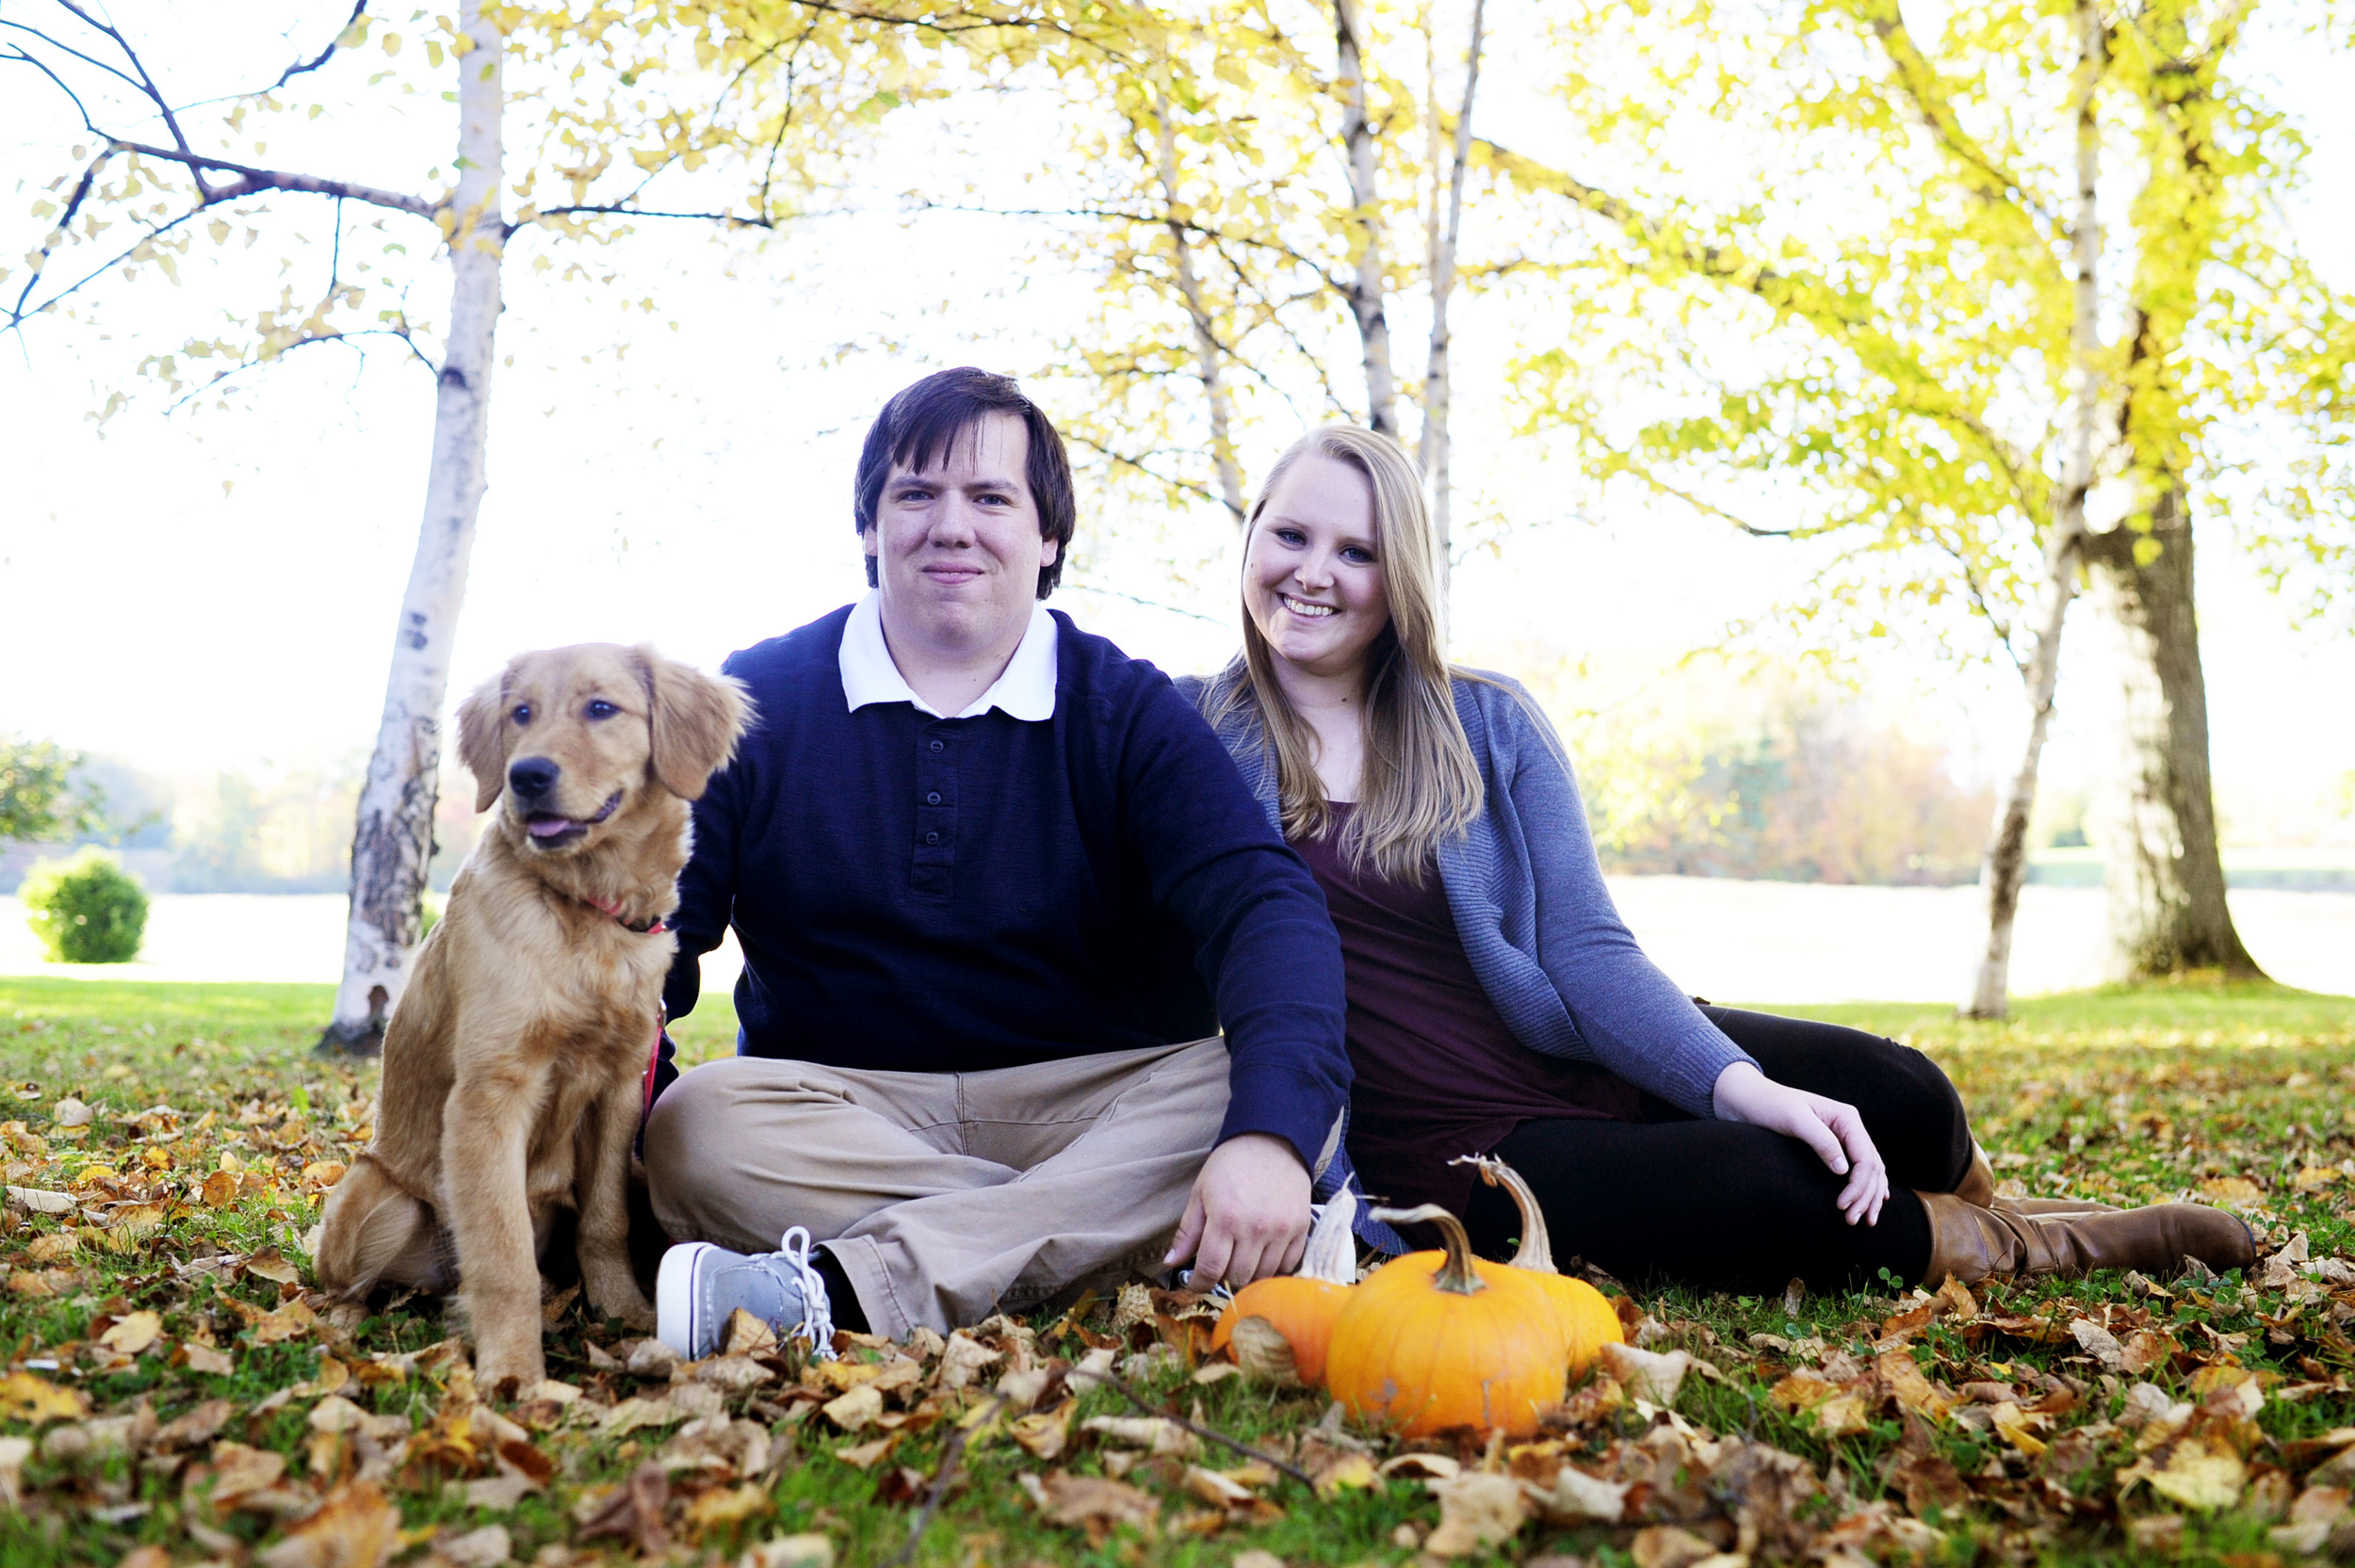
{"x": 1366, "y": 289}
{"x": 1436, "y": 390}
{"x": 1205, "y": 351}
{"x": 2006, "y": 868}
{"x": 394, "y": 840}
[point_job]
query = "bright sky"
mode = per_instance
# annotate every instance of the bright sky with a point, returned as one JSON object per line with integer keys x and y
{"x": 218, "y": 589}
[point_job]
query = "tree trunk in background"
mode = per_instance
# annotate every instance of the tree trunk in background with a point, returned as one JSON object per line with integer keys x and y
{"x": 1436, "y": 386}
{"x": 2006, "y": 868}
{"x": 2157, "y": 808}
{"x": 1205, "y": 341}
{"x": 1366, "y": 288}
{"x": 393, "y": 845}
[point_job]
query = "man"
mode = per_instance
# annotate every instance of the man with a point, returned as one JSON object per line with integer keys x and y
{"x": 997, "y": 888}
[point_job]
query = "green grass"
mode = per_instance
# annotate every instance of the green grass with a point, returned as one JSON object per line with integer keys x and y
{"x": 2128, "y": 1094}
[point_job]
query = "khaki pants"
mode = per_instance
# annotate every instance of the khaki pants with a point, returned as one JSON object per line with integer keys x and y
{"x": 943, "y": 1195}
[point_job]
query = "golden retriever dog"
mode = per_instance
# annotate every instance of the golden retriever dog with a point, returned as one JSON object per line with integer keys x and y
{"x": 513, "y": 1061}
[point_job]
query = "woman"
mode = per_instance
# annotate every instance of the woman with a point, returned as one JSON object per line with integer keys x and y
{"x": 1498, "y": 1004}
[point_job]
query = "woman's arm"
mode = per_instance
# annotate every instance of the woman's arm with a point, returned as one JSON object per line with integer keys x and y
{"x": 1636, "y": 1021}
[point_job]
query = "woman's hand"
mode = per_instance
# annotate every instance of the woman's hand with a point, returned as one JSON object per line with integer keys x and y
{"x": 1248, "y": 1216}
{"x": 1833, "y": 1130}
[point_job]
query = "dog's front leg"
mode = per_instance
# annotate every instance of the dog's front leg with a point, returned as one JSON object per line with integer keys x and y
{"x": 603, "y": 1199}
{"x": 485, "y": 1129}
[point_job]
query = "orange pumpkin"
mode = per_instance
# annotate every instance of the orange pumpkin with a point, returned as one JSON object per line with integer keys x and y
{"x": 1302, "y": 1306}
{"x": 1442, "y": 1339}
{"x": 1588, "y": 1320}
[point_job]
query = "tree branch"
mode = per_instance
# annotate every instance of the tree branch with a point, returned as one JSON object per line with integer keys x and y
{"x": 1917, "y": 78}
{"x": 252, "y": 180}
{"x": 301, "y": 67}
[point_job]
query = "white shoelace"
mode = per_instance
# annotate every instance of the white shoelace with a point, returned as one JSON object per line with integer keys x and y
{"x": 816, "y": 1326}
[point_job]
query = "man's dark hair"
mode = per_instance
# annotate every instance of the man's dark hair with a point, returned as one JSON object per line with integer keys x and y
{"x": 921, "y": 421}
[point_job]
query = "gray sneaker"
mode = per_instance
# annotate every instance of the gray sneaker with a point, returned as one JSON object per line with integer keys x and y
{"x": 701, "y": 1286}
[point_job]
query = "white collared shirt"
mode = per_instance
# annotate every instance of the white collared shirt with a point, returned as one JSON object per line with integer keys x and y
{"x": 1025, "y": 690}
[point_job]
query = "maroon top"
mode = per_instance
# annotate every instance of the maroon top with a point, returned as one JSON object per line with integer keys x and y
{"x": 1438, "y": 1074}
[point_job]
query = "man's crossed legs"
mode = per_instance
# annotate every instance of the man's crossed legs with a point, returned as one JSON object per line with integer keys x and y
{"x": 943, "y": 1196}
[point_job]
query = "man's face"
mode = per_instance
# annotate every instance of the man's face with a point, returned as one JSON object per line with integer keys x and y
{"x": 956, "y": 547}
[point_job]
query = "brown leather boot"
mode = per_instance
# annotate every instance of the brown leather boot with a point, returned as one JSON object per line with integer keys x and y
{"x": 1973, "y": 1243}
{"x": 1978, "y": 1190}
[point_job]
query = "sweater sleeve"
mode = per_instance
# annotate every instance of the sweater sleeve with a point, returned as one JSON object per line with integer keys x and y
{"x": 1636, "y": 1021}
{"x": 1262, "y": 941}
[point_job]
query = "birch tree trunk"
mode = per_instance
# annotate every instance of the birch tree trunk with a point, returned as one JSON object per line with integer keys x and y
{"x": 2164, "y": 876}
{"x": 1206, "y": 350}
{"x": 393, "y": 843}
{"x": 1366, "y": 287}
{"x": 1437, "y": 388}
{"x": 2006, "y": 868}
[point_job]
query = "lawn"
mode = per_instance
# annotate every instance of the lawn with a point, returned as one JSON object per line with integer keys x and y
{"x": 177, "y": 1393}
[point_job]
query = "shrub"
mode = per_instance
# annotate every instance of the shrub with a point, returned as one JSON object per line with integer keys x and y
{"x": 86, "y": 909}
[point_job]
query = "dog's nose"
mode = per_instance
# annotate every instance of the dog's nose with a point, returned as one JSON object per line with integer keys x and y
{"x": 532, "y": 778}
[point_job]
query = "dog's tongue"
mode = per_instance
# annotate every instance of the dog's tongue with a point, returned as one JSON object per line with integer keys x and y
{"x": 547, "y": 827}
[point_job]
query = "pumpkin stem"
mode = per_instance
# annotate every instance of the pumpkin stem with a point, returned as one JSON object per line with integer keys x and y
{"x": 1536, "y": 1250}
{"x": 1455, "y": 1274}
{"x": 1331, "y": 1255}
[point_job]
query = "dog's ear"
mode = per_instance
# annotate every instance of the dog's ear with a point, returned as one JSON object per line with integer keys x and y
{"x": 482, "y": 737}
{"x": 695, "y": 721}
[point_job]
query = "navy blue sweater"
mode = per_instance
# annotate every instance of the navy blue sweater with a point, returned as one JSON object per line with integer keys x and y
{"x": 925, "y": 894}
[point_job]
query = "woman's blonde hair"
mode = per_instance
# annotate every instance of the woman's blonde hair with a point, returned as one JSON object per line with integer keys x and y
{"x": 1420, "y": 784}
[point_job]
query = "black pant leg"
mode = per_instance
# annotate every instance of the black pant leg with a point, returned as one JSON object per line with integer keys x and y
{"x": 1714, "y": 1206}
{"x": 1908, "y": 1105}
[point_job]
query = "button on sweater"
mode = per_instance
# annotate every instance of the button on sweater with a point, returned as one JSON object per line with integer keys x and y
{"x": 926, "y": 895}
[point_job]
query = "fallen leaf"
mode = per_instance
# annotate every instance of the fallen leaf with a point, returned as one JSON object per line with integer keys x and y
{"x": 1215, "y": 1371}
{"x": 749, "y": 1335}
{"x": 1646, "y": 1374}
{"x": 269, "y": 1264}
{"x": 1576, "y": 1497}
{"x": 238, "y": 1470}
{"x": 354, "y": 1527}
{"x": 1091, "y": 1503}
{"x": 2202, "y": 1478}
{"x": 2099, "y": 1343}
{"x": 205, "y": 1359}
{"x": 26, "y": 1398}
{"x": 725, "y": 1506}
{"x": 1263, "y": 1353}
{"x": 1667, "y": 1547}
{"x": 39, "y": 1200}
{"x": 14, "y": 1451}
{"x": 132, "y": 1333}
{"x": 962, "y": 1358}
{"x": 220, "y": 1190}
{"x": 633, "y": 1512}
{"x": 1043, "y": 1433}
{"x": 631, "y": 1413}
{"x": 192, "y": 1428}
{"x": 1844, "y": 1415}
{"x": 789, "y": 1551}
{"x": 854, "y": 1411}
{"x": 2239, "y": 1192}
{"x": 482, "y": 1549}
{"x": 866, "y": 1456}
{"x": 1156, "y": 1434}
{"x": 1906, "y": 1383}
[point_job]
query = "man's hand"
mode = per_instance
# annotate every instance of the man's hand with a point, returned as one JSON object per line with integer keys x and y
{"x": 1249, "y": 1215}
{"x": 1833, "y": 1130}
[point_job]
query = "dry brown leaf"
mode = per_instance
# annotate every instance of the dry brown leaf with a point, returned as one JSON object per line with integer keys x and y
{"x": 962, "y": 1358}
{"x": 2200, "y": 1477}
{"x": 1843, "y": 1416}
{"x": 134, "y": 1332}
{"x": 866, "y": 1456}
{"x": 1214, "y": 1371}
{"x": 2238, "y": 1191}
{"x": 484, "y": 1548}
{"x": 631, "y": 1413}
{"x": 1667, "y": 1547}
{"x": 1263, "y": 1353}
{"x": 239, "y": 1469}
{"x": 269, "y": 1264}
{"x": 1911, "y": 1390}
{"x": 1156, "y": 1434}
{"x": 789, "y": 1551}
{"x": 725, "y": 1506}
{"x": 1646, "y": 1374}
{"x": 632, "y": 1511}
{"x": 356, "y": 1526}
{"x": 1043, "y": 1433}
{"x": 1091, "y": 1503}
{"x": 749, "y": 1335}
{"x": 854, "y": 1411}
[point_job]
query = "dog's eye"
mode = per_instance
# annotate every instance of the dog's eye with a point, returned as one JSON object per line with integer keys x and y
{"x": 522, "y": 714}
{"x": 600, "y": 708}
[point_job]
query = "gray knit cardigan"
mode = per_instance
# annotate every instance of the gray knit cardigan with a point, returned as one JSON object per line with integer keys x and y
{"x": 1536, "y": 921}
